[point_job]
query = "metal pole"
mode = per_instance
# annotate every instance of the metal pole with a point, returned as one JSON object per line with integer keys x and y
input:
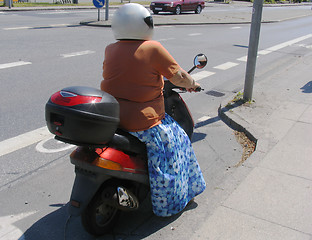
{"x": 253, "y": 48}
{"x": 99, "y": 15}
{"x": 106, "y": 10}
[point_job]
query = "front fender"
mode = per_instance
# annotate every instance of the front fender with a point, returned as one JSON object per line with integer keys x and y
{"x": 177, "y": 109}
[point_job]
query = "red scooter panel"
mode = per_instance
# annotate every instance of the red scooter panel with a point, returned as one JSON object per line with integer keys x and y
{"x": 117, "y": 160}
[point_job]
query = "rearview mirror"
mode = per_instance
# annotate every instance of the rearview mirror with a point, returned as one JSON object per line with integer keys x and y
{"x": 200, "y": 61}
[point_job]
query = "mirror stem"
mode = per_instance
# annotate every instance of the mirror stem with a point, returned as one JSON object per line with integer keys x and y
{"x": 191, "y": 70}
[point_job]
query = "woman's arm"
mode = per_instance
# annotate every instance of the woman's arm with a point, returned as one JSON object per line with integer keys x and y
{"x": 183, "y": 79}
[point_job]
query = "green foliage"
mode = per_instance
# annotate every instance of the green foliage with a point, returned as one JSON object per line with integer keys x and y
{"x": 270, "y": 1}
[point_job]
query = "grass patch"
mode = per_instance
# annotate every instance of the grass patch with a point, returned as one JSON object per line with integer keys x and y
{"x": 239, "y": 100}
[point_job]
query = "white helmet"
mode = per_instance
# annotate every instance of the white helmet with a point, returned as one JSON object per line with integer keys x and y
{"x": 132, "y": 21}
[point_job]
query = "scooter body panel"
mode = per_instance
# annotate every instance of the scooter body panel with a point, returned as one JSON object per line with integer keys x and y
{"x": 85, "y": 186}
{"x": 112, "y": 163}
{"x": 92, "y": 172}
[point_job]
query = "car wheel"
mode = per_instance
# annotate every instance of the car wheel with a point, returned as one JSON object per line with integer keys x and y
{"x": 155, "y": 12}
{"x": 198, "y": 9}
{"x": 177, "y": 10}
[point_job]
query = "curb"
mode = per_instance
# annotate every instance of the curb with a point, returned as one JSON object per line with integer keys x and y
{"x": 222, "y": 113}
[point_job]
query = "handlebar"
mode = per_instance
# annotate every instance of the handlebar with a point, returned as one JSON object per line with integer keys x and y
{"x": 198, "y": 89}
{"x": 170, "y": 86}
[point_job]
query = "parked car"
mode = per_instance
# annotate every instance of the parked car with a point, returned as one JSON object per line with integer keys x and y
{"x": 177, "y": 6}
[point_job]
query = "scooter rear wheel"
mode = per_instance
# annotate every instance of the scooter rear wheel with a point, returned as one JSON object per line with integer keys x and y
{"x": 99, "y": 218}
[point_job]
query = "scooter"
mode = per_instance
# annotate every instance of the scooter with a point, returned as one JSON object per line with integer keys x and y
{"x": 110, "y": 163}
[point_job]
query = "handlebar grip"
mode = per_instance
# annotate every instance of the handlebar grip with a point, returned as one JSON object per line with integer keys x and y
{"x": 198, "y": 89}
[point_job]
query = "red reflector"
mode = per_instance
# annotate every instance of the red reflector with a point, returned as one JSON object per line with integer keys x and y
{"x": 58, "y": 133}
{"x": 72, "y": 99}
{"x": 75, "y": 203}
{"x": 57, "y": 123}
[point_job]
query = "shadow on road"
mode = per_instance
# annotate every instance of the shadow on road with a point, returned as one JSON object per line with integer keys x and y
{"x": 131, "y": 225}
{"x": 307, "y": 88}
{"x": 198, "y": 136}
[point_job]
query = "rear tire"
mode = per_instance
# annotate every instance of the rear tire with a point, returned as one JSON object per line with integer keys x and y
{"x": 177, "y": 10}
{"x": 198, "y": 9}
{"x": 98, "y": 218}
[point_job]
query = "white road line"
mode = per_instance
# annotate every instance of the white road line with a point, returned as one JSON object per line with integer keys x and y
{"x": 195, "y": 34}
{"x": 236, "y": 27}
{"x": 63, "y": 146}
{"x": 304, "y": 46}
{"x": 243, "y": 59}
{"x": 17, "y": 28}
{"x": 60, "y": 12}
{"x": 89, "y": 11}
{"x": 285, "y": 44}
{"x": 164, "y": 39}
{"x": 74, "y": 54}
{"x": 202, "y": 74}
{"x": 278, "y": 47}
{"x": 26, "y": 27}
{"x": 8, "y": 230}
{"x": 13, "y": 64}
{"x": 60, "y": 25}
{"x": 164, "y": 26}
{"x": 226, "y": 66}
{"x": 13, "y": 144}
{"x": 51, "y": 13}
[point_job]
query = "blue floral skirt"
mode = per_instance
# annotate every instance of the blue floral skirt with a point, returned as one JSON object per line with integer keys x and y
{"x": 174, "y": 174}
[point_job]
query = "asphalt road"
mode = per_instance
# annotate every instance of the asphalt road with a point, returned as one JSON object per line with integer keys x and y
{"x": 45, "y": 51}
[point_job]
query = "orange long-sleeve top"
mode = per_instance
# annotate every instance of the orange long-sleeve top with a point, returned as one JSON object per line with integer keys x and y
{"x": 133, "y": 73}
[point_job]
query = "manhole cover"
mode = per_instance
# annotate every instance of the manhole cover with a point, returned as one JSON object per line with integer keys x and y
{"x": 215, "y": 93}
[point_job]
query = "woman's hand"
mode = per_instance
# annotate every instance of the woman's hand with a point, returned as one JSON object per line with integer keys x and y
{"x": 185, "y": 80}
{"x": 195, "y": 88}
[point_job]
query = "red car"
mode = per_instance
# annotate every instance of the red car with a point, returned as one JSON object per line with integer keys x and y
{"x": 177, "y": 6}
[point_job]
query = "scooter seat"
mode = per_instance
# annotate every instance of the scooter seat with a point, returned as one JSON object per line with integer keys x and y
{"x": 124, "y": 141}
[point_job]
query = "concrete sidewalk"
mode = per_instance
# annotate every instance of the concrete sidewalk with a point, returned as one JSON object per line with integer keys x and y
{"x": 275, "y": 200}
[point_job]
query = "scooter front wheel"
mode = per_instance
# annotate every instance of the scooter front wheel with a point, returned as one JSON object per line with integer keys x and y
{"x": 98, "y": 218}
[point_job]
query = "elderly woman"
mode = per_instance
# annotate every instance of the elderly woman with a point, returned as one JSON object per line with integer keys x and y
{"x": 133, "y": 71}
